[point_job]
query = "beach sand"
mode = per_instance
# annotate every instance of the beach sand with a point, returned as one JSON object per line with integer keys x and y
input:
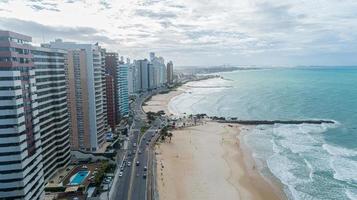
{"x": 207, "y": 162}
{"x": 160, "y": 101}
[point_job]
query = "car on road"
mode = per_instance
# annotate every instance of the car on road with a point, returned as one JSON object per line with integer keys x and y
{"x": 145, "y": 168}
{"x": 129, "y": 164}
{"x": 139, "y": 152}
{"x": 134, "y": 145}
{"x": 120, "y": 174}
{"x": 144, "y": 175}
{"x": 137, "y": 163}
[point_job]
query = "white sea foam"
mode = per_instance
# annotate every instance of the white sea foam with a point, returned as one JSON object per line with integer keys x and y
{"x": 297, "y": 154}
{"x": 310, "y": 168}
{"x": 339, "y": 151}
{"x": 351, "y": 193}
{"x": 345, "y": 169}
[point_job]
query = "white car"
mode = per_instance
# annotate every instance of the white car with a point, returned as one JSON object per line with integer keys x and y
{"x": 120, "y": 174}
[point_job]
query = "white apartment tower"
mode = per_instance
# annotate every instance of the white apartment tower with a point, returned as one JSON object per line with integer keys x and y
{"x": 21, "y": 167}
{"x": 86, "y": 94}
{"x": 52, "y": 107}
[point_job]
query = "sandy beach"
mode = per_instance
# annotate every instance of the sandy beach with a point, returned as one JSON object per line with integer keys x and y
{"x": 160, "y": 101}
{"x": 207, "y": 162}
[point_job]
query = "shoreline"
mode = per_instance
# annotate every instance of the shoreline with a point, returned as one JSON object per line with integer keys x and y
{"x": 237, "y": 177}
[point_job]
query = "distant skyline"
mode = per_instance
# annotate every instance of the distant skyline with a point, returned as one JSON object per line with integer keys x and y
{"x": 198, "y": 32}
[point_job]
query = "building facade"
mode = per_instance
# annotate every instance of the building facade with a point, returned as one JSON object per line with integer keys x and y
{"x": 21, "y": 168}
{"x": 123, "y": 90}
{"x": 111, "y": 65}
{"x": 142, "y": 81}
{"x": 111, "y": 101}
{"x": 170, "y": 72}
{"x": 86, "y": 94}
{"x": 52, "y": 107}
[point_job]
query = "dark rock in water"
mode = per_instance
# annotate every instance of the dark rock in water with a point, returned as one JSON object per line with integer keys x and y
{"x": 270, "y": 122}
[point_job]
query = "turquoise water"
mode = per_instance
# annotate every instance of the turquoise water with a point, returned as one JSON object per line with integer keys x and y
{"x": 78, "y": 178}
{"x": 312, "y": 161}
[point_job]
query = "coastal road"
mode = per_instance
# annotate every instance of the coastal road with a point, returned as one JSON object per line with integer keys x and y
{"x": 123, "y": 184}
{"x": 140, "y": 183}
{"x": 130, "y": 186}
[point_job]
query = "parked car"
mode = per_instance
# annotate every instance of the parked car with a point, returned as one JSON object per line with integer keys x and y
{"x": 129, "y": 164}
{"x": 120, "y": 174}
{"x": 144, "y": 175}
{"x": 145, "y": 168}
{"x": 137, "y": 163}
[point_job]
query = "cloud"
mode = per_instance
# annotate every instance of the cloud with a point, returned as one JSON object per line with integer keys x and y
{"x": 155, "y": 15}
{"x": 195, "y": 31}
{"x": 40, "y": 5}
{"x": 43, "y": 32}
{"x": 105, "y": 4}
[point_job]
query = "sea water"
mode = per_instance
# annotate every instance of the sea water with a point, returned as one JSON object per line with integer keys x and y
{"x": 311, "y": 161}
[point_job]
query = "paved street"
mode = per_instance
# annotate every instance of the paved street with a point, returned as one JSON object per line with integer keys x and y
{"x": 133, "y": 185}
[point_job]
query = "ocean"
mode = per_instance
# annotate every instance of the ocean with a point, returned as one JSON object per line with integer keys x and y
{"x": 311, "y": 161}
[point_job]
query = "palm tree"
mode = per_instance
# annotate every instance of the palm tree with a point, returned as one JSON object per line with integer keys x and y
{"x": 170, "y": 136}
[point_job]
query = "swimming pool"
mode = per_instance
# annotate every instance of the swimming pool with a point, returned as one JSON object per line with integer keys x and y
{"x": 79, "y": 177}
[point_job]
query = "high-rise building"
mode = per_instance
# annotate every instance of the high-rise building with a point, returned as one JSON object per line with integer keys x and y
{"x": 132, "y": 79}
{"x": 123, "y": 93}
{"x": 151, "y": 76}
{"x": 104, "y": 88}
{"x": 86, "y": 94}
{"x": 111, "y": 65}
{"x": 52, "y": 108}
{"x": 111, "y": 101}
{"x": 143, "y": 68}
{"x": 152, "y": 56}
{"x": 170, "y": 72}
{"x": 21, "y": 167}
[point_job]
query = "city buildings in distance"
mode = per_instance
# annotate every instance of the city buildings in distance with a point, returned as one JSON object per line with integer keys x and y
{"x": 58, "y": 98}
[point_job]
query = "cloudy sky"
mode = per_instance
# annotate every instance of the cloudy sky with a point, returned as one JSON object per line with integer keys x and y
{"x": 198, "y": 32}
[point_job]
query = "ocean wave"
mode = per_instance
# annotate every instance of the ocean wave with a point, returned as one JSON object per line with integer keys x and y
{"x": 339, "y": 151}
{"x": 351, "y": 194}
{"x": 299, "y": 159}
{"x": 345, "y": 169}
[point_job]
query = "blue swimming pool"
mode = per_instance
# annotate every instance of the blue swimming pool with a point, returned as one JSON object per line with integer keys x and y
{"x": 79, "y": 177}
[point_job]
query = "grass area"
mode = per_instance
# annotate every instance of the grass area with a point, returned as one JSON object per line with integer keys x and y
{"x": 105, "y": 167}
{"x": 144, "y": 129}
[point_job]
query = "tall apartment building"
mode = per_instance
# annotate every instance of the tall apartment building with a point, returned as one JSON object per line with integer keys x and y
{"x": 111, "y": 65}
{"x": 143, "y": 72}
{"x": 170, "y": 72}
{"x": 123, "y": 92}
{"x": 158, "y": 63}
{"x": 21, "y": 168}
{"x": 110, "y": 101}
{"x": 151, "y": 76}
{"x": 52, "y": 107}
{"x": 86, "y": 94}
{"x": 132, "y": 79}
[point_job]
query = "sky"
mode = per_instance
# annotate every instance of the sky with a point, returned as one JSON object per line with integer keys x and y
{"x": 198, "y": 32}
